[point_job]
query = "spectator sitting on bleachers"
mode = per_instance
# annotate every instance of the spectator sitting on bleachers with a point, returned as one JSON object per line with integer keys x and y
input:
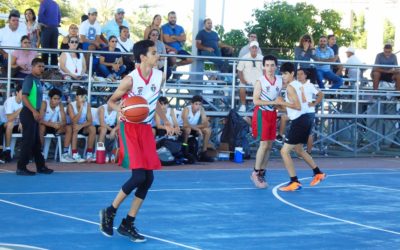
{"x": 249, "y": 72}
{"x": 73, "y": 31}
{"x": 73, "y": 65}
{"x": 12, "y": 109}
{"x": 246, "y": 49}
{"x": 54, "y": 122}
{"x": 174, "y": 38}
{"x": 32, "y": 28}
{"x": 21, "y": 61}
{"x": 337, "y": 69}
{"x": 325, "y": 54}
{"x": 81, "y": 119}
{"x": 154, "y": 36}
{"x": 111, "y": 65}
{"x": 112, "y": 27}
{"x": 170, "y": 114}
{"x": 155, "y": 24}
{"x": 305, "y": 52}
{"x": 209, "y": 44}
{"x": 90, "y": 31}
{"x": 10, "y": 35}
{"x": 109, "y": 122}
{"x": 195, "y": 123}
{"x": 125, "y": 44}
{"x": 352, "y": 59}
{"x": 386, "y": 74}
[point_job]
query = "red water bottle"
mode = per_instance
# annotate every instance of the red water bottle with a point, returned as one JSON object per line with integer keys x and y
{"x": 100, "y": 153}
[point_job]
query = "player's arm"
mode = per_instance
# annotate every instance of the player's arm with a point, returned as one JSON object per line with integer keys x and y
{"x": 42, "y": 113}
{"x": 294, "y": 100}
{"x": 124, "y": 86}
{"x": 167, "y": 124}
{"x": 89, "y": 119}
{"x": 257, "y": 96}
{"x": 320, "y": 95}
{"x": 204, "y": 119}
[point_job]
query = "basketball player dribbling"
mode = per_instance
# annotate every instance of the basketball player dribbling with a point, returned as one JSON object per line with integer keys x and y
{"x": 138, "y": 148}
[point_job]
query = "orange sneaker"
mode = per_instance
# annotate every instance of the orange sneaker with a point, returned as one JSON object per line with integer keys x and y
{"x": 317, "y": 179}
{"x": 292, "y": 186}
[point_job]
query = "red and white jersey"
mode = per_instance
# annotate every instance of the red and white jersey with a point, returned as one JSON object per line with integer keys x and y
{"x": 270, "y": 91}
{"x": 148, "y": 88}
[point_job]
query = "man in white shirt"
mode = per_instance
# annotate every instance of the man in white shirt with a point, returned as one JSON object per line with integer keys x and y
{"x": 246, "y": 49}
{"x": 12, "y": 108}
{"x": 11, "y": 35}
{"x": 249, "y": 72}
{"x": 352, "y": 59}
{"x": 90, "y": 31}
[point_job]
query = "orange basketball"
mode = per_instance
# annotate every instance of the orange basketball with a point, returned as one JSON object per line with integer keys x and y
{"x": 135, "y": 109}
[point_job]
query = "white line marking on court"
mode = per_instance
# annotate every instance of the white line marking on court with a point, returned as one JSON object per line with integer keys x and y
{"x": 92, "y": 222}
{"x": 275, "y": 193}
{"x": 19, "y": 246}
{"x": 116, "y": 191}
{"x": 6, "y": 171}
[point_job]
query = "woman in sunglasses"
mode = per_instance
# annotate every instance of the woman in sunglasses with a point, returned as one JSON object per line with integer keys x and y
{"x": 305, "y": 52}
{"x": 72, "y": 64}
{"x": 154, "y": 36}
{"x": 111, "y": 65}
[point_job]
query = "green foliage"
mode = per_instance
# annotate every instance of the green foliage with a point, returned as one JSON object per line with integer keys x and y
{"x": 280, "y": 25}
{"x": 235, "y": 38}
{"x": 360, "y": 34}
{"x": 389, "y": 31}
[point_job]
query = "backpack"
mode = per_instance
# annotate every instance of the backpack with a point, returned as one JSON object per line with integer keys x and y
{"x": 165, "y": 156}
{"x": 235, "y": 133}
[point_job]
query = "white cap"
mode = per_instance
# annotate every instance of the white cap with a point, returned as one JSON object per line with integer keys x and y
{"x": 119, "y": 10}
{"x": 254, "y": 43}
{"x": 92, "y": 10}
{"x": 351, "y": 50}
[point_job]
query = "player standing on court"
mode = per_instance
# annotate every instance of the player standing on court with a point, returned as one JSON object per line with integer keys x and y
{"x": 299, "y": 131}
{"x": 138, "y": 147}
{"x": 266, "y": 89}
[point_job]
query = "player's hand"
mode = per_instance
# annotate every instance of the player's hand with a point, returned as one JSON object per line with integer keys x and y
{"x": 170, "y": 130}
{"x": 279, "y": 100}
{"x": 36, "y": 115}
{"x": 77, "y": 127}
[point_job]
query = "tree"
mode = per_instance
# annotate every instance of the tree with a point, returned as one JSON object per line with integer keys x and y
{"x": 280, "y": 25}
{"x": 388, "y": 32}
{"x": 235, "y": 38}
{"x": 360, "y": 34}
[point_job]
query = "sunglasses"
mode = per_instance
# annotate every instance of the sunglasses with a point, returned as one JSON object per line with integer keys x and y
{"x": 74, "y": 42}
{"x": 154, "y": 35}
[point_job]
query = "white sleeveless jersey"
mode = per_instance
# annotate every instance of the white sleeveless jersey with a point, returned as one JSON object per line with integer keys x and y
{"x": 82, "y": 119}
{"x": 270, "y": 91}
{"x": 169, "y": 117}
{"x": 109, "y": 118}
{"x": 149, "y": 89}
{"x": 193, "y": 119}
{"x": 52, "y": 115}
{"x": 294, "y": 113}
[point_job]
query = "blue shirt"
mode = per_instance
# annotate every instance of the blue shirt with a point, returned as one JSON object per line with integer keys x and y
{"x": 208, "y": 39}
{"x": 49, "y": 13}
{"x": 324, "y": 54}
{"x": 112, "y": 28}
{"x": 110, "y": 58}
{"x": 173, "y": 31}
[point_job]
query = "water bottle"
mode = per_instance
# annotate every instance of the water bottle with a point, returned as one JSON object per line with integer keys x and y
{"x": 238, "y": 157}
{"x": 100, "y": 153}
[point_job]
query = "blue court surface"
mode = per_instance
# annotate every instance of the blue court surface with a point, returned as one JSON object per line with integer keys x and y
{"x": 205, "y": 209}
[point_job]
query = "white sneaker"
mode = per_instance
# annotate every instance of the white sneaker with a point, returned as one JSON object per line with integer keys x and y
{"x": 90, "y": 157}
{"x": 78, "y": 158}
{"x": 242, "y": 108}
{"x": 107, "y": 159}
{"x": 66, "y": 158}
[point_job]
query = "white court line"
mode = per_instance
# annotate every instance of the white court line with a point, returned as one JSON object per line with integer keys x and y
{"x": 6, "y": 171}
{"x": 92, "y": 222}
{"x": 20, "y": 246}
{"x": 116, "y": 191}
{"x": 275, "y": 193}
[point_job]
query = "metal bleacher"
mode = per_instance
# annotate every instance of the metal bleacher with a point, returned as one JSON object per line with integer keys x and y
{"x": 351, "y": 121}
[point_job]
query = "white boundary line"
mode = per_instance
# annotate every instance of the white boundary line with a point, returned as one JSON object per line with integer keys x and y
{"x": 20, "y": 246}
{"x": 92, "y": 222}
{"x": 275, "y": 193}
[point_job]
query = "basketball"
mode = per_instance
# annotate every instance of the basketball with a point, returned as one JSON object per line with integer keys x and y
{"x": 135, "y": 109}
